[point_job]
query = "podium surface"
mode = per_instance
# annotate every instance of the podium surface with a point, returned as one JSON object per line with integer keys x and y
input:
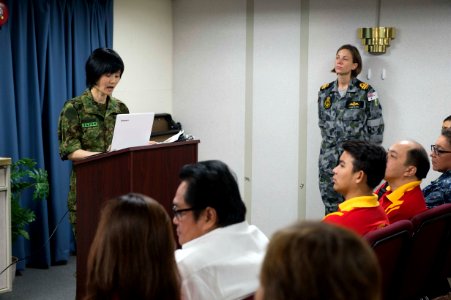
{"x": 151, "y": 170}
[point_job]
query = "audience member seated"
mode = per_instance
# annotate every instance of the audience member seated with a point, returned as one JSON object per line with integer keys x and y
{"x": 360, "y": 169}
{"x": 439, "y": 191}
{"x": 221, "y": 253}
{"x": 446, "y": 122}
{"x": 132, "y": 255}
{"x": 316, "y": 261}
{"x": 407, "y": 165}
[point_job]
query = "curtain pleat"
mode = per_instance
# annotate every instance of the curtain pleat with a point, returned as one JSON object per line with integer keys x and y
{"x": 43, "y": 50}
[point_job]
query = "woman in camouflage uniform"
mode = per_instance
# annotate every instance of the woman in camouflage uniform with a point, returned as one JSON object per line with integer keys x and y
{"x": 86, "y": 122}
{"x": 348, "y": 109}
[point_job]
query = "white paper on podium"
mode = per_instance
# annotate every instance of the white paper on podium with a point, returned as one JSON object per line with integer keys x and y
{"x": 173, "y": 138}
{"x": 132, "y": 130}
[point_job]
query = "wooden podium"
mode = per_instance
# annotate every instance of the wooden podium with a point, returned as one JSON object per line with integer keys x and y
{"x": 150, "y": 170}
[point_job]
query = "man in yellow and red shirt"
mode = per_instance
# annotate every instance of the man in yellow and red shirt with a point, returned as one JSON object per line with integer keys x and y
{"x": 407, "y": 165}
{"x": 360, "y": 169}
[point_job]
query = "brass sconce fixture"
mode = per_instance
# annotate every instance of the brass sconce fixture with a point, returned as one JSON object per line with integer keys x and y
{"x": 377, "y": 39}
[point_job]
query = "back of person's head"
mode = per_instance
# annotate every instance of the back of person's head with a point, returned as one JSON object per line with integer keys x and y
{"x": 102, "y": 61}
{"x": 132, "y": 255}
{"x": 212, "y": 184}
{"x": 418, "y": 157}
{"x": 356, "y": 58}
{"x": 446, "y": 132}
{"x": 446, "y": 122}
{"x": 369, "y": 158}
{"x": 317, "y": 261}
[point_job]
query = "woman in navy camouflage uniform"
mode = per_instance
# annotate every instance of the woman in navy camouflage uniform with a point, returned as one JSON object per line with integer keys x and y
{"x": 86, "y": 122}
{"x": 349, "y": 109}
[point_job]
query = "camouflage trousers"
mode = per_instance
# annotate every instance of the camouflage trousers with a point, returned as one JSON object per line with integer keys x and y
{"x": 72, "y": 203}
{"x": 328, "y": 160}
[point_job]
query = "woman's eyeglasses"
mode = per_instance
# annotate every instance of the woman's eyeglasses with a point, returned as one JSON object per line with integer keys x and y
{"x": 437, "y": 151}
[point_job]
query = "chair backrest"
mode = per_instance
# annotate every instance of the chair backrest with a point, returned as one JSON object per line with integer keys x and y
{"x": 390, "y": 244}
{"x": 428, "y": 251}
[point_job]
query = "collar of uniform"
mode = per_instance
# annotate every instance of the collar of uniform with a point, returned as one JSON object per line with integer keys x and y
{"x": 88, "y": 102}
{"x": 446, "y": 174}
{"x": 397, "y": 194}
{"x": 352, "y": 87}
{"x": 362, "y": 201}
{"x": 92, "y": 108}
{"x": 441, "y": 178}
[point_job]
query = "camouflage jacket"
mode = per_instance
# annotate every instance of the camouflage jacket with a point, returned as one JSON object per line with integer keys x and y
{"x": 356, "y": 115}
{"x": 438, "y": 192}
{"x": 82, "y": 125}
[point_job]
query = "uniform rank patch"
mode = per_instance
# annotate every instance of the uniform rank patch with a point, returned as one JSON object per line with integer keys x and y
{"x": 327, "y": 103}
{"x": 372, "y": 96}
{"x": 324, "y": 86}
{"x": 352, "y": 104}
{"x": 363, "y": 85}
{"x": 89, "y": 124}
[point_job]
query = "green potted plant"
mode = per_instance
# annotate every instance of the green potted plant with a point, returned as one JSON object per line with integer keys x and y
{"x": 25, "y": 175}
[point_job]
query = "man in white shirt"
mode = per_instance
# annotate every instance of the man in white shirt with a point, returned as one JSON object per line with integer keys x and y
{"x": 221, "y": 253}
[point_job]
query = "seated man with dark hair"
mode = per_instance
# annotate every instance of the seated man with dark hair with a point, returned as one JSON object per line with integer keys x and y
{"x": 360, "y": 169}
{"x": 438, "y": 192}
{"x": 407, "y": 165}
{"x": 221, "y": 253}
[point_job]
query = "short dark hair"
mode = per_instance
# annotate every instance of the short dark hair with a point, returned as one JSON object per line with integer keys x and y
{"x": 369, "y": 158}
{"x": 418, "y": 157}
{"x": 212, "y": 184}
{"x": 356, "y": 58}
{"x": 446, "y": 132}
{"x": 102, "y": 61}
{"x": 448, "y": 118}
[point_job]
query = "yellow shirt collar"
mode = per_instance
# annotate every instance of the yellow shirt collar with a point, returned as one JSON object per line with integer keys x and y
{"x": 362, "y": 201}
{"x": 399, "y": 192}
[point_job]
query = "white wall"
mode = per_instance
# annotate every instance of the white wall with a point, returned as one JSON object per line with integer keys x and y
{"x": 217, "y": 93}
{"x": 239, "y": 83}
{"x": 276, "y": 74}
{"x": 143, "y": 37}
{"x": 209, "y": 77}
{"x": 414, "y": 94}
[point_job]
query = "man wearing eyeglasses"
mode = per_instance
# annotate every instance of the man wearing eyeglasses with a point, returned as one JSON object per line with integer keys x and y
{"x": 221, "y": 253}
{"x": 438, "y": 192}
{"x": 407, "y": 165}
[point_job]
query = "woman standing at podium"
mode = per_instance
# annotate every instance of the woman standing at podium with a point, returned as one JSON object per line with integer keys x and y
{"x": 86, "y": 122}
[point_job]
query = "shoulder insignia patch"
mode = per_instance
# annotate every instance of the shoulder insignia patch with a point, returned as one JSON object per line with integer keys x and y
{"x": 327, "y": 103}
{"x": 363, "y": 85}
{"x": 324, "y": 86}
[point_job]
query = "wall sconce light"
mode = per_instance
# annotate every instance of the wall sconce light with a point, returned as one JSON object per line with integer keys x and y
{"x": 377, "y": 39}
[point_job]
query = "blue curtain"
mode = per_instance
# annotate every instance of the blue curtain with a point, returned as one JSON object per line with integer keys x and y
{"x": 43, "y": 50}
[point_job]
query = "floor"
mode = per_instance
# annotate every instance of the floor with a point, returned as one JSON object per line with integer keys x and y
{"x": 57, "y": 282}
